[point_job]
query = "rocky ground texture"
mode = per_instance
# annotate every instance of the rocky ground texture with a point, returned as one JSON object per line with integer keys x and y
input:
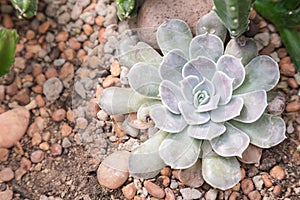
{"x": 53, "y": 136}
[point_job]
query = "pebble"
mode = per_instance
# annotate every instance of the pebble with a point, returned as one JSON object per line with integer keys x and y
{"x": 293, "y": 106}
{"x": 169, "y": 194}
{"x": 7, "y": 22}
{"x": 87, "y": 29}
{"x": 113, "y": 171}
{"x": 62, "y": 36}
{"x": 258, "y": 182}
{"x": 52, "y": 89}
{"x": 25, "y": 165}
{"x": 267, "y": 181}
{"x": 36, "y": 139}
{"x": 66, "y": 130}
{"x": 4, "y": 153}
{"x": 7, "y": 194}
{"x": 164, "y": 180}
{"x": 37, "y": 156}
{"x": 66, "y": 143}
{"x": 79, "y": 89}
{"x": 59, "y": 115}
{"x": 277, "y": 172}
{"x": 247, "y": 186}
{"x": 44, "y": 146}
{"x": 22, "y": 97}
{"x": 81, "y": 123}
{"x": 254, "y": 195}
{"x": 43, "y": 28}
{"x": 14, "y": 124}
{"x": 129, "y": 191}
{"x": 2, "y": 92}
{"x": 211, "y": 194}
{"x": 51, "y": 72}
{"x": 190, "y": 193}
{"x": 154, "y": 189}
{"x": 234, "y": 195}
{"x": 277, "y": 190}
{"x": 263, "y": 38}
{"x": 275, "y": 40}
{"x": 88, "y": 17}
{"x": 56, "y": 149}
{"x": 6, "y": 174}
{"x": 115, "y": 69}
{"x": 166, "y": 171}
{"x": 66, "y": 74}
{"x": 64, "y": 18}
{"x": 192, "y": 176}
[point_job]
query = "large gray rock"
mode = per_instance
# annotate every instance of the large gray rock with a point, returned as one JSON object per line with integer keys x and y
{"x": 153, "y": 13}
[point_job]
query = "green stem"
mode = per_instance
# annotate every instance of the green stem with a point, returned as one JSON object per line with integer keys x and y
{"x": 290, "y": 37}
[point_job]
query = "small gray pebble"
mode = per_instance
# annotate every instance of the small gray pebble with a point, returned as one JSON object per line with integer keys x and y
{"x": 52, "y": 89}
{"x": 190, "y": 193}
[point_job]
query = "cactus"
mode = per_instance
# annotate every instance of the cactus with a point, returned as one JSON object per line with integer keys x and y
{"x": 126, "y": 9}
{"x": 25, "y": 8}
{"x": 285, "y": 15}
{"x": 234, "y": 14}
{"x": 8, "y": 40}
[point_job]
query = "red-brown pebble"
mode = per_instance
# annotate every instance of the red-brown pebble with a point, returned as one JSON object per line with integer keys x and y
{"x": 277, "y": 172}
{"x": 87, "y": 29}
{"x": 43, "y": 28}
{"x": 266, "y": 179}
{"x": 129, "y": 191}
{"x": 36, "y": 139}
{"x": 62, "y": 37}
{"x": 247, "y": 186}
{"x": 50, "y": 73}
{"x": 254, "y": 195}
{"x": 277, "y": 190}
{"x": 293, "y": 106}
{"x": 7, "y": 21}
{"x": 11, "y": 89}
{"x": 7, "y": 194}
{"x": 37, "y": 156}
{"x": 100, "y": 35}
{"x": 74, "y": 44}
{"x": 154, "y": 189}
{"x": 292, "y": 83}
{"x": 4, "y": 153}
{"x": 25, "y": 165}
{"x": 6, "y": 174}
{"x": 164, "y": 180}
{"x": 30, "y": 34}
{"x": 66, "y": 130}
{"x": 56, "y": 149}
{"x": 99, "y": 20}
{"x": 40, "y": 101}
{"x": 234, "y": 195}
{"x": 59, "y": 115}
{"x": 169, "y": 194}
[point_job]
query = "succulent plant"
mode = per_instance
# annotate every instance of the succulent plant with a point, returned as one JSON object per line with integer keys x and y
{"x": 206, "y": 104}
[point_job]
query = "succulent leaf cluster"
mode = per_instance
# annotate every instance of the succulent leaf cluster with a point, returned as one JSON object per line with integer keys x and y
{"x": 207, "y": 101}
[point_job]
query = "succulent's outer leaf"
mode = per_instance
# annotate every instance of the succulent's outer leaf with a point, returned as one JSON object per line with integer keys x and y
{"x": 191, "y": 117}
{"x": 144, "y": 110}
{"x": 171, "y": 66}
{"x": 206, "y": 131}
{"x": 144, "y": 161}
{"x": 255, "y": 104}
{"x": 223, "y": 86}
{"x": 8, "y": 41}
{"x": 25, "y": 8}
{"x": 233, "y": 68}
{"x": 219, "y": 172}
{"x": 233, "y": 142}
{"x": 234, "y": 14}
{"x": 170, "y": 95}
{"x": 211, "y": 23}
{"x": 251, "y": 155}
{"x": 267, "y": 131}
{"x": 144, "y": 79}
{"x": 172, "y": 34}
{"x": 130, "y": 53}
{"x": 262, "y": 73}
{"x": 116, "y": 100}
{"x": 167, "y": 121}
{"x": 228, "y": 111}
{"x": 201, "y": 67}
{"x": 244, "y": 48}
{"x": 180, "y": 151}
{"x": 207, "y": 45}
{"x": 192, "y": 176}
{"x": 187, "y": 86}
{"x": 211, "y": 105}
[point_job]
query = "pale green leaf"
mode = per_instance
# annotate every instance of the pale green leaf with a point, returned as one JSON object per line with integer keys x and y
{"x": 144, "y": 79}
{"x": 174, "y": 34}
{"x": 266, "y": 132}
{"x": 179, "y": 150}
{"x": 223, "y": 86}
{"x": 206, "y": 131}
{"x": 144, "y": 161}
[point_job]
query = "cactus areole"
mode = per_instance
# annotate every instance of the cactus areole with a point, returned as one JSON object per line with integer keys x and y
{"x": 208, "y": 102}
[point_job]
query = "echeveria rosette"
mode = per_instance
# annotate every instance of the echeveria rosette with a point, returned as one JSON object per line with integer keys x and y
{"x": 206, "y": 104}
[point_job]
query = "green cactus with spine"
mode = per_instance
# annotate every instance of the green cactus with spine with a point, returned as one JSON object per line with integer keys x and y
{"x": 25, "y": 8}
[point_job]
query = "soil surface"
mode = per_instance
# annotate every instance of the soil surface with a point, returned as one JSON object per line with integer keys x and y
{"x": 65, "y": 56}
